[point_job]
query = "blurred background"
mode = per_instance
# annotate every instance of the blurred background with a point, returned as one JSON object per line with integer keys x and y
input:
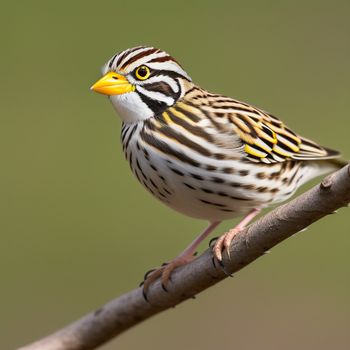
{"x": 77, "y": 229}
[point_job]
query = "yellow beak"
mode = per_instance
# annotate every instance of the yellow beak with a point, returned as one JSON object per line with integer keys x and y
{"x": 113, "y": 84}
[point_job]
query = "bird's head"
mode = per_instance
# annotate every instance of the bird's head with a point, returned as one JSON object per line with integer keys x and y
{"x": 142, "y": 82}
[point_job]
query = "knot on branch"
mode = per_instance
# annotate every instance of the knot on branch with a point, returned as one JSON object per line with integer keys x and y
{"x": 327, "y": 183}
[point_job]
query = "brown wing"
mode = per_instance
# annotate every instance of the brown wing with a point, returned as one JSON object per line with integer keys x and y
{"x": 266, "y": 138}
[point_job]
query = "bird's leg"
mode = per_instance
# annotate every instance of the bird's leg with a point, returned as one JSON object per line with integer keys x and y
{"x": 186, "y": 256}
{"x": 224, "y": 241}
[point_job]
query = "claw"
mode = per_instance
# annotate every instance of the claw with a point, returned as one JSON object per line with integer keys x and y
{"x": 217, "y": 249}
{"x": 222, "y": 266}
{"x": 148, "y": 273}
{"x": 164, "y": 288}
{"x": 212, "y": 241}
{"x": 228, "y": 252}
{"x": 213, "y": 262}
{"x": 145, "y": 296}
{"x": 164, "y": 273}
{"x": 221, "y": 263}
{"x": 222, "y": 245}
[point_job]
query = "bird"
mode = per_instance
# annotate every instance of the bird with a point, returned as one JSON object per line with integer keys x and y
{"x": 203, "y": 154}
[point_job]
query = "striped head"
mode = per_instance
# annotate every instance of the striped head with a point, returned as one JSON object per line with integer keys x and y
{"x": 142, "y": 82}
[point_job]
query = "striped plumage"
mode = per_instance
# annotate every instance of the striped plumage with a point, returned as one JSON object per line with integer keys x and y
{"x": 205, "y": 155}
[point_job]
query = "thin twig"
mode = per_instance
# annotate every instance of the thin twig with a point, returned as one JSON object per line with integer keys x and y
{"x": 131, "y": 308}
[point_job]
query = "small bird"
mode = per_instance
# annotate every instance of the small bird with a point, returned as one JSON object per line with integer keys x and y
{"x": 205, "y": 155}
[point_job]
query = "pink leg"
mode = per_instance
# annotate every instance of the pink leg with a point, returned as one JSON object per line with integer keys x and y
{"x": 186, "y": 256}
{"x": 224, "y": 241}
{"x": 190, "y": 250}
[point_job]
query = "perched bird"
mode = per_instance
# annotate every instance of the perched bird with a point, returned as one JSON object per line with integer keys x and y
{"x": 205, "y": 155}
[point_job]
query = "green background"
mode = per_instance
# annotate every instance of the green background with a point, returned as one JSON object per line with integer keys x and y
{"x": 77, "y": 229}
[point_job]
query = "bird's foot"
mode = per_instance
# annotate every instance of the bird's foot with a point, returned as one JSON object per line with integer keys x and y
{"x": 223, "y": 244}
{"x": 164, "y": 272}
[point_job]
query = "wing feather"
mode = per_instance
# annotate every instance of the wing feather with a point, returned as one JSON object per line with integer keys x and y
{"x": 265, "y": 137}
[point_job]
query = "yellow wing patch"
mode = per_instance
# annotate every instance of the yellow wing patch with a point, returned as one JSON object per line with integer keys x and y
{"x": 266, "y": 139}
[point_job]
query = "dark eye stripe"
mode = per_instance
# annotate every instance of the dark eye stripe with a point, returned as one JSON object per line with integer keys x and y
{"x": 170, "y": 73}
{"x": 159, "y": 87}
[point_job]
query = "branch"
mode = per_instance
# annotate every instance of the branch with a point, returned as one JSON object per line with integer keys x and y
{"x": 130, "y": 309}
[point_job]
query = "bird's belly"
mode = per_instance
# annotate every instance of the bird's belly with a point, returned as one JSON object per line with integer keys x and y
{"x": 214, "y": 191}
{"x": 208, "y": 201}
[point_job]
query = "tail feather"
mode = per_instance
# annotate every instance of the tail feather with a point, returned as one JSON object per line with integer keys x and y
{"x": 310, "y": 150}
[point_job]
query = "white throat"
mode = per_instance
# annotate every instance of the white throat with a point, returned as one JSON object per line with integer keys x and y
{"x": 130, "y": 107}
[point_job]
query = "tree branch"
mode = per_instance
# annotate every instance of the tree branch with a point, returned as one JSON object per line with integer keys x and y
{"x": 130, "y": 309}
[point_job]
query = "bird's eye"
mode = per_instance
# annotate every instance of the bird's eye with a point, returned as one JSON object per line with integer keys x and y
{"x": 142, "y": 72}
